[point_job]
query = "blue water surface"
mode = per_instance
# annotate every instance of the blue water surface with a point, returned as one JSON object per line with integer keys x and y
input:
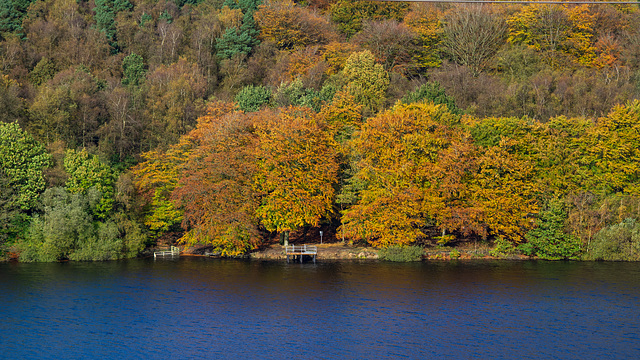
{"x": 227, "y": 309}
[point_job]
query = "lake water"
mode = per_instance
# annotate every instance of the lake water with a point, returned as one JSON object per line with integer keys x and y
{"x": 205, "y": 308}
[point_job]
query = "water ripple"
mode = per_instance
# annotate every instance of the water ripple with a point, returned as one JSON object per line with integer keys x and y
{"x": 199, "y": 308}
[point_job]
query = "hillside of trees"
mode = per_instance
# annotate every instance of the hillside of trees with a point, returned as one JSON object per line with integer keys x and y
{"x": 234, "y": 123}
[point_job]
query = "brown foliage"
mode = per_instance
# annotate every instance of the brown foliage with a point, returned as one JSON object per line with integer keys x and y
{"x": 472, "y": 35}
{"x": 291, "y": 26}
{"x": 392, "y": 43}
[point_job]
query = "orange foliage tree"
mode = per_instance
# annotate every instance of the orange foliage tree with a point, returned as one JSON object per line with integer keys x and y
{"x": 215, "y": 191}
{"x": 290, "y": 26}
{"x": 420, "y": 169}
{"x": 296, "y": 169}
{"x": 336, "y": 55}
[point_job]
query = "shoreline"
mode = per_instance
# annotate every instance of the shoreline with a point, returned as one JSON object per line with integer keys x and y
{"x": 338, "y": 251}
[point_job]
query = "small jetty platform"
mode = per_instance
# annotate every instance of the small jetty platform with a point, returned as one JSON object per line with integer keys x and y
{"x": 175, "y": 251}
{"x": 300, "y": 251}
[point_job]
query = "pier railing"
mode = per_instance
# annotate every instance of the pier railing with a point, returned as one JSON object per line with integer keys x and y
{"x": 300, "y": 251}
{"x": 175, "y": 251}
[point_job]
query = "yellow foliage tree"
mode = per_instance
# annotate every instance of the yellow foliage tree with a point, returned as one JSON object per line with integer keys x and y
{"x": 365, "y": 80}
{"x": 424, "y": 19}
{"x": 156, "y": 178}
{"x": 613, "y": 150}
{"x": 398, "y": 151}
{"x": 505, "y": 189}
{"x": 556, "y": 31}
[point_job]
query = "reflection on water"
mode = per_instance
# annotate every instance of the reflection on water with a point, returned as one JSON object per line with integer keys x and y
{"x": 204, "y": 308}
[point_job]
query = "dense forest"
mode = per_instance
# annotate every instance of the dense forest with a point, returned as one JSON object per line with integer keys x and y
{"x": 232, "y": 123}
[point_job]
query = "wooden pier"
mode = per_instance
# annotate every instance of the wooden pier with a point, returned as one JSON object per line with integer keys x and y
{"x": 175, "y": 251}
{"x": 300, "y": 251}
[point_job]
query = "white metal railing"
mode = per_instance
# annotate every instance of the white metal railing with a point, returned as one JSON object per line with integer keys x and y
{"x": 301, "y": 249}
{"x": 175, "y": 251}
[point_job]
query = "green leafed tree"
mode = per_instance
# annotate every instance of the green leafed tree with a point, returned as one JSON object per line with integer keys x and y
{"x": 619, "y": 242}
{"x": 86, "y": 172}
{"x": 67, "y": 231}
{"x": 241, "y": 39}
{"x": 133, "y": 70}
{"x": 9, "y": 210}
{"x": 11, "y": 14}
{"x": 251, "y": 98}
{"x": 106, "y": 11}
{"x": 433, "y": 92}
{"x": 55, "y": 235}
{"x": 23, "y": 159}
{"x": 349, "y": 15}
{"x": 549, "y": 240}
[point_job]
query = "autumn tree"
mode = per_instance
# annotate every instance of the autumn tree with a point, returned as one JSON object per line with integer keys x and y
{"x": 506, "y": 191}
{"x": 336, "y": 55}
{"x": 296, "y": 170}
{"x": 68, "y": 108}
{"x": 424, "y": 20}
{"x": 397, "y": 151}
{"x": 216, "y": 190}
{"x": 558, "y": 32}
{"x": 156, "y": 178}
{"x": 471, "y": 35}
{"x": 349, "y": 15}
{"x": 207, "y": 27}
{"x": 612, "y": 150}
{"x": 174, "y": 101}
{"x": 290, "y": 26}
{"x": 391, "y": 42}
{"x": 365, "y": 80}
{"x": 59, "y": 30}
{"x": 9, "y": 100}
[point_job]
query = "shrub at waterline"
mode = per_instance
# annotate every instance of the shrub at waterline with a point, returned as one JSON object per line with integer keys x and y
{"x": 619, "y": 242}
{"x": 68, "y": 230}
{"x": 401, "y": 253}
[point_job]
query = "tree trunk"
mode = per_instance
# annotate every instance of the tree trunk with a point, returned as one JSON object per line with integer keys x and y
{"x": 284, "y": 238}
